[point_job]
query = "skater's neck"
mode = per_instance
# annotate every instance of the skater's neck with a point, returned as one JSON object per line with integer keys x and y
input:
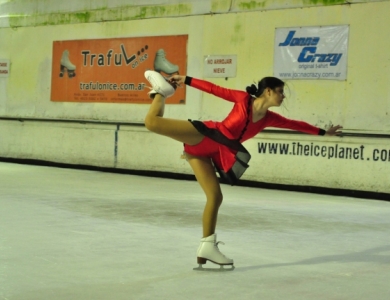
{"x": 261, "y": 105}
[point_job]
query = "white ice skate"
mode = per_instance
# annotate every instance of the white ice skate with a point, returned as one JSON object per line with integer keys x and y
{"x": 208, "y": 251}
{"x": 67, "y": 65}
{"x": 161, "y": 64}
{"x": 159, "y": 84}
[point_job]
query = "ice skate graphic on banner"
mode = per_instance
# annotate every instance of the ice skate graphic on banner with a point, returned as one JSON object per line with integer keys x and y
{"x": 162, "y": 65}
{"x": 67, "y": 65}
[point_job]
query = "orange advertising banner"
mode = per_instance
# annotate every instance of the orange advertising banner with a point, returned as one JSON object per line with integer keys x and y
{"x": 112, "y": 70}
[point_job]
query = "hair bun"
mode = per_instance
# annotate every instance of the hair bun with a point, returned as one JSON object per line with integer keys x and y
{"x": 252, "y": 90}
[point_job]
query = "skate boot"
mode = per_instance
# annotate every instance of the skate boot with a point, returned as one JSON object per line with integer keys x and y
{"x": 67, "y": 65}
{"x": 208, "y": 251}
{"x": 161, "y": 64}
{"x": 159, "y": 85}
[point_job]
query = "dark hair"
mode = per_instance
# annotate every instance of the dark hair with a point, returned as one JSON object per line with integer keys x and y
{"x": 266, "y": 82}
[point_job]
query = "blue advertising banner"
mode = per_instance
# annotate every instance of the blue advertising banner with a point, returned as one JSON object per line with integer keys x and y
{"x": 311, "y": 52}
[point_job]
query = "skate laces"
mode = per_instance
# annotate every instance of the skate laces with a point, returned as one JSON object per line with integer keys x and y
{"x": 216, "y": 246}
{"x": 152, "y": 89}
{"x": 153, "y": 82}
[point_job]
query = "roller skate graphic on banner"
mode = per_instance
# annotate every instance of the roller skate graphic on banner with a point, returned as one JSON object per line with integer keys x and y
{"x": 162, "y": 65}
{"x": 67, "y": 65}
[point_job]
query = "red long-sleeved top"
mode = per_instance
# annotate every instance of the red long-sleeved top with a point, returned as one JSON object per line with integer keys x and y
{"x": 234, "y": 123}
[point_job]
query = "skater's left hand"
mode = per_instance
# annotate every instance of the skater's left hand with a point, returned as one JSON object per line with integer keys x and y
{"x": 334, "y": 130}
{"x": 177, "y": 79}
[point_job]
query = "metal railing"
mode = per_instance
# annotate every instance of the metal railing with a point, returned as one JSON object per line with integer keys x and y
{"x": 274, "y": 131}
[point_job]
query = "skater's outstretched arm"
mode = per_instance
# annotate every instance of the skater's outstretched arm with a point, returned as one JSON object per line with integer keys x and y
{"x": 208, "y": 87}
{"x": 279, "y": 121}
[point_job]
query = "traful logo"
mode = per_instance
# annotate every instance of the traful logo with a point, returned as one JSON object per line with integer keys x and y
{"x": 105, "y": 60}
{"x": 308, "y": 53}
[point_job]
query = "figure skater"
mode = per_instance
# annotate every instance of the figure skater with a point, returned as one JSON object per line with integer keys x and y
{"x": 211, "y": 145}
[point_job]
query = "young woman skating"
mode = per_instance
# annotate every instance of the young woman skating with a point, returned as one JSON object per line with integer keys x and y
{"x": 212, "y": 145}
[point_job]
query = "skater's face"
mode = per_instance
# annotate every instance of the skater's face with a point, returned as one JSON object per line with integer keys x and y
{"x": 277, "y": 95}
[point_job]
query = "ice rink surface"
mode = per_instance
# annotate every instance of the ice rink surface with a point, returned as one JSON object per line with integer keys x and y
{"x": 77, "y": 234}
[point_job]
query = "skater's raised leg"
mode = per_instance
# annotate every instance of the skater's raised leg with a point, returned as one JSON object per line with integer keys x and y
{"x": 180, "y": 130}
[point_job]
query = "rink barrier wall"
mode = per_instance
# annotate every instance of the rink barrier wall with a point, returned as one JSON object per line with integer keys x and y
{"x": 275, "y": 131}
{"x": 180, "y": 176}
{"x": 129, "y": 148}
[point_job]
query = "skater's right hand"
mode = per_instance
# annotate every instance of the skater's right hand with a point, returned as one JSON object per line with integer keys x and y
{"x": 177, "y": 79}
{"x": 334, "y": 130}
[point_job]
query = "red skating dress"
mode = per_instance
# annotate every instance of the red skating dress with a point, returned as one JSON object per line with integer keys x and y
{"x": 223, "y": 139}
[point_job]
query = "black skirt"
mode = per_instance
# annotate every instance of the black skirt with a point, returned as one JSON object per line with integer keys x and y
{"x": 242, "y": 156}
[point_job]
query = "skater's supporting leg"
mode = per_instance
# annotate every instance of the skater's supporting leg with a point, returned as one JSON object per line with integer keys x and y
{"x": 180, "y": 130}
{"x": 205, "y": 174}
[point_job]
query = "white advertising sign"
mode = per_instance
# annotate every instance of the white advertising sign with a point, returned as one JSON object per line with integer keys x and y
{"x": 311, "y": 52}
{"x": 4, "y": 67}
{"x": 220, "y": 66}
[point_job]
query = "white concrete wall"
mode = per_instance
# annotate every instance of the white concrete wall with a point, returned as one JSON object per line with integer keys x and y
{"x": 85, "y": 144}
{"x": 19, "y": 13}
{"x": 361, "y": 103}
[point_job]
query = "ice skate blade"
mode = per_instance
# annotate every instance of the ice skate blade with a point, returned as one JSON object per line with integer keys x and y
{"x": 169, "y": 74}
{"x": 220, "y": 269}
